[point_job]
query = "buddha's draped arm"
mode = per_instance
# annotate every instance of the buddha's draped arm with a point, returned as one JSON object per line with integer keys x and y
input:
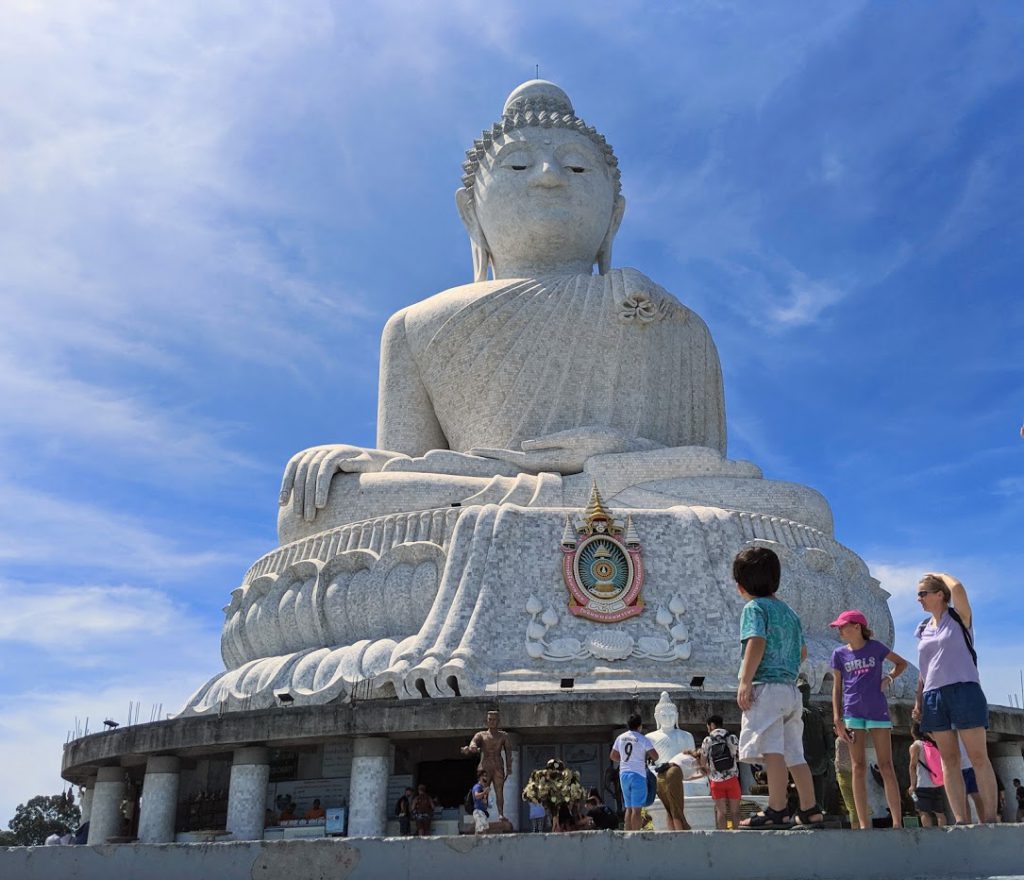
{"x": 405, "y": 415}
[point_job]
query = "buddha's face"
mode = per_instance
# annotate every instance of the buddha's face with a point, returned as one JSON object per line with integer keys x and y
{"x": 543, "y": 197}
{"x": 667, "y": 716}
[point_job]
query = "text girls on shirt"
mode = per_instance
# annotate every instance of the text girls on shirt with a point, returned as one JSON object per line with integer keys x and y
{"x": 862, "y": 680}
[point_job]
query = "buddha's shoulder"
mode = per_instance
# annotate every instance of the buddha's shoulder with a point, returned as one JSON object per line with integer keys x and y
{"x": 428, "y": 314}
{"x": 421, "y": 320}
{"x": 637, "y": 287}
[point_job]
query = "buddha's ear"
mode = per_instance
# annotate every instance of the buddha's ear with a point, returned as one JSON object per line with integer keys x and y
{"x": 604, "y": 255}
{"x": 481, "y": 253}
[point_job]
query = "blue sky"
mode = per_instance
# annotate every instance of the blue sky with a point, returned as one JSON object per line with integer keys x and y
{"x": 208, "y": 211}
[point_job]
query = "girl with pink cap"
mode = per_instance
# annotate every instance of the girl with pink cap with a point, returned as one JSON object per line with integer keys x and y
{"x": 859, "y": 707}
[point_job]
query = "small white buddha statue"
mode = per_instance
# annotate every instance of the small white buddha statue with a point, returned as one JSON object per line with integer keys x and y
{"x": 669, "y": 740}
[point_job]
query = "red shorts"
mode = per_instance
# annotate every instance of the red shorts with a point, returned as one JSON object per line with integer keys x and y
{"x": 729, "y": 790}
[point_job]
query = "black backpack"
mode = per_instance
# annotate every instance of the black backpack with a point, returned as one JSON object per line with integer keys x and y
{"x": 469, "y": 804}
{"x": 720, "y": 754}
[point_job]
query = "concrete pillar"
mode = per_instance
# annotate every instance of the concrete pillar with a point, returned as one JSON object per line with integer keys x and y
{"x": 368, "y": 788}
{"x": 85, "y": 802}
{"x": 105, "y": 813}
{"x": 513, "y": 788}
{"x": 159, "y": 800}
{"x": 1008, "y": 765}
{"x": 247, "y": 793}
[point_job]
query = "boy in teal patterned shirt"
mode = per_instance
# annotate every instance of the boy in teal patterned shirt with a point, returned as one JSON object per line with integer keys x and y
{"x": 772, "y": 730}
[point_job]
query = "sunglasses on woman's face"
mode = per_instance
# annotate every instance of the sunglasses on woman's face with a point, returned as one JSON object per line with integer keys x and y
{"x": 922, "y": 593}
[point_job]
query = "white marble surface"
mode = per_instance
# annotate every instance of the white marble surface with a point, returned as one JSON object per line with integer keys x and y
{"x": 501, "y": 402}
{"x": 502, "y": 575}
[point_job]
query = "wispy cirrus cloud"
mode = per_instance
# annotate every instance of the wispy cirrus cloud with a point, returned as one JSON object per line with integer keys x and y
{"x": 94, "y": 625}
{"x": 37, "y": 529}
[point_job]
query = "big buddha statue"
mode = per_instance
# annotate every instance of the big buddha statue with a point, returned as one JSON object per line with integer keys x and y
{"x": 443, "y": 561}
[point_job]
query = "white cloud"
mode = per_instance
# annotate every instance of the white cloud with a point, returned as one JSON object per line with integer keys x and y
{"x": 36, "y": 722}
{"x": 807, "y": 300}
{"x": 93, "y": 625}
{"x": 113, "y": 423}
{"x": 85, "y": 652}
{"x": 50, "y": 530}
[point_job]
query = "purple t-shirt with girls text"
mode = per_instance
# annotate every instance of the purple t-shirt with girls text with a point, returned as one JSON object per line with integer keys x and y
{"x": 862, "y": 680}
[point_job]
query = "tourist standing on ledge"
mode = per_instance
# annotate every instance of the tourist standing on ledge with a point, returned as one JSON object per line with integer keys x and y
{"x": 950, "y": 702}
{"x": 772, "y": 730}
{"x": 1019, "y": 791}
{"x": 633, "y": 750}
{"x": 859, "y": 708}
{"x": 720, "y": 753}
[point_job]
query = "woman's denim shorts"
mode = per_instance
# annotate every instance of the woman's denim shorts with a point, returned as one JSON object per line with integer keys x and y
{"x": 960, "y": 706}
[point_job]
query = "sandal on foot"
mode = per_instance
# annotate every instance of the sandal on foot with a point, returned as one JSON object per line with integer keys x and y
{"x": 767, "y": 820}
{"x": 805, "y": 818}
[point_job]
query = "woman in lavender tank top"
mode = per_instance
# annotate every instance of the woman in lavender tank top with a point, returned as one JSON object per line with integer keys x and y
{"x": 950, "y": 703}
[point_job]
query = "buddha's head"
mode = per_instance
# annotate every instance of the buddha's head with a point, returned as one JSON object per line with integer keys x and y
{"x": 665, "y": 713}
{"x": 541, "y": 189}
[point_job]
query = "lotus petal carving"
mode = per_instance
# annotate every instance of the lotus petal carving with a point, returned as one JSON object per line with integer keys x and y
{"x": 653, "y": 645}
{"x": 611, "y": 645}
{"x": 535, "y": 631}
{"x": 566, "y": 647}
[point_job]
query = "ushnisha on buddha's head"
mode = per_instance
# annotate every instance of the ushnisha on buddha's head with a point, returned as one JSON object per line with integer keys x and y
{"x": 541, "y": 190}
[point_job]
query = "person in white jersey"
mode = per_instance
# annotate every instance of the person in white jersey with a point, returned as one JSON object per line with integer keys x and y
{"x": 633, "y": 750}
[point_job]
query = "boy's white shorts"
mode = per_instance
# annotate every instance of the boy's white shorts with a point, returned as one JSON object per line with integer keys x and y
{"x": 773, "y": 725}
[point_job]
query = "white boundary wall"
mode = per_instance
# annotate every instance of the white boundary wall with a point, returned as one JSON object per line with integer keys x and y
{"x": 975, "y": 852}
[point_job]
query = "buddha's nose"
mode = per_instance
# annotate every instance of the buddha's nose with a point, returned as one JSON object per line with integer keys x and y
{"x": 549, "y": 174}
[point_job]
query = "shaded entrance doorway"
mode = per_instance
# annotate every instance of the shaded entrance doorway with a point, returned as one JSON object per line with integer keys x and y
{"x": 447, "y": 781}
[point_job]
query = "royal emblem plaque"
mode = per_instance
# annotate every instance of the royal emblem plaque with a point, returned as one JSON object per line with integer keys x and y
{"x": 602, "y": 564}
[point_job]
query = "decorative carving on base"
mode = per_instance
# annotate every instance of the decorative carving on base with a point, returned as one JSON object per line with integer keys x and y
{"x": 608, "y": 644}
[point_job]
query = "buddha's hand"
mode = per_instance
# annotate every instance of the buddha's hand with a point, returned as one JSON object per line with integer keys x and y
{"x": 566, "y": 452}
{"x": 307, "y": 478}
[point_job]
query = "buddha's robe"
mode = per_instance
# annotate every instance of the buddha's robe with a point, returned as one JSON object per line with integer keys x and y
{"x": 514, "y": 360}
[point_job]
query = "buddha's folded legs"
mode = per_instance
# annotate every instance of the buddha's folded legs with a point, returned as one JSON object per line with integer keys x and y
{"x": 359, "y": 497}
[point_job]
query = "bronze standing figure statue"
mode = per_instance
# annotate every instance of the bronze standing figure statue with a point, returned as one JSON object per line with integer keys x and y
{"x": 495, "y": 751}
